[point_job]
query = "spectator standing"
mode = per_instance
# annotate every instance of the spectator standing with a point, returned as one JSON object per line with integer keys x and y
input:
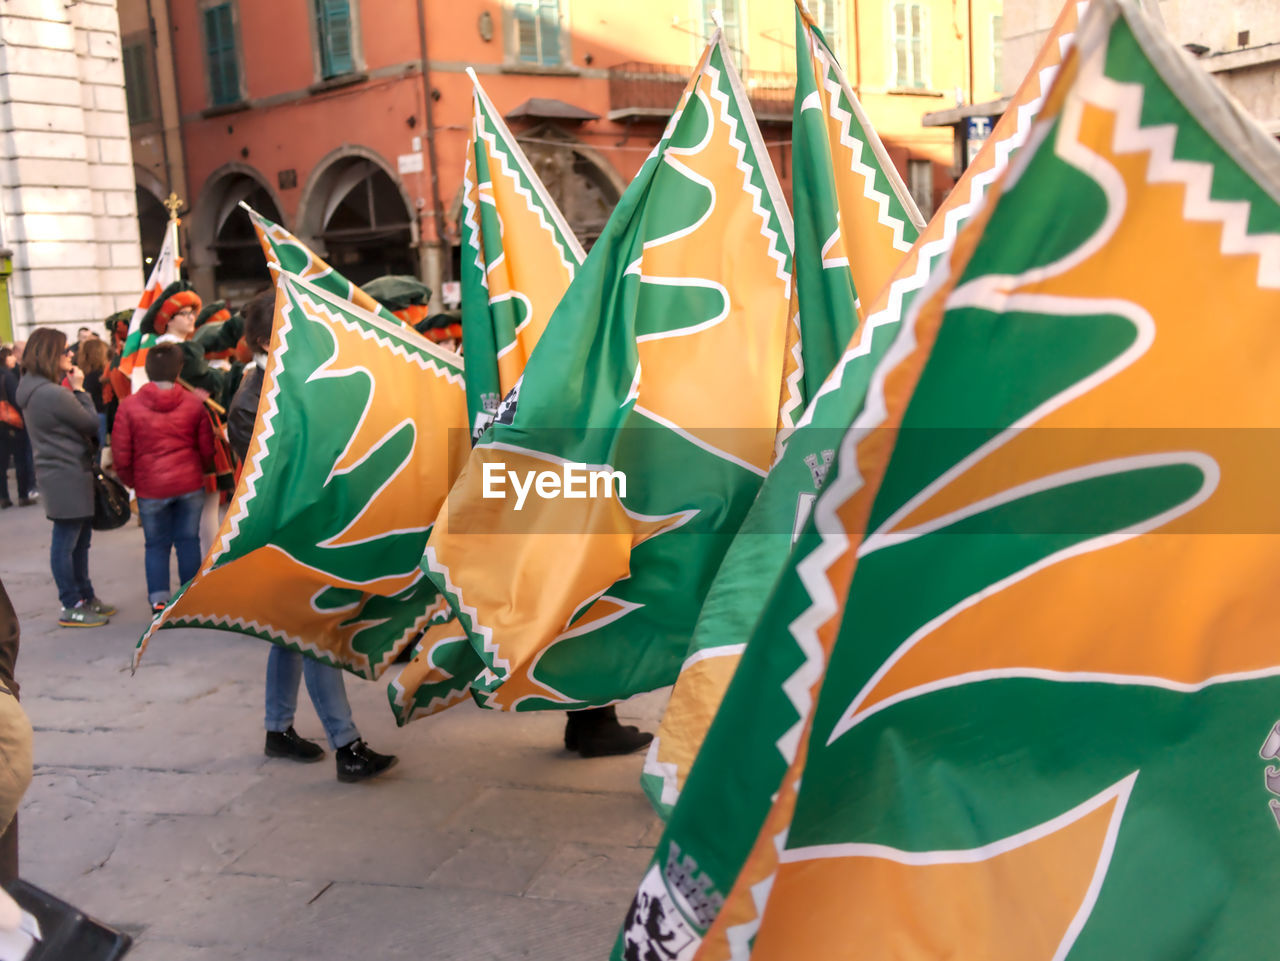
{"x": 356, "y": 761}
{"x": 162, "y": 446}
{"x": 14, "y": 445}
{"x": 63, "y": 427}
{"x": 91, "y": 357}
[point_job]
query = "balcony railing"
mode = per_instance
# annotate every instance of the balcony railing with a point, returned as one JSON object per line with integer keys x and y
{"x": 640, "y": 90}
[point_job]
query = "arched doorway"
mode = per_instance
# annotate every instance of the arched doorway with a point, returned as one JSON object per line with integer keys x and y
{"x": 152, "y": 220}
{"x": 227, "y": 260}
{"x": 149, "y": 194}
{"x": 583, "y": 185}
{"x": 357, "y": 217}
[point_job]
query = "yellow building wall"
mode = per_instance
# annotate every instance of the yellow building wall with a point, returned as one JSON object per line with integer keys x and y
{"x": 671, "y": 31}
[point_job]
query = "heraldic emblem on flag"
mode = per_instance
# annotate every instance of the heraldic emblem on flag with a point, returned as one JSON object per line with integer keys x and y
{"x": 854, "y": 220}
{"x": 320, "y": 546}
{"x": 1035, "y": 600}
{"x": 667, "y": 368}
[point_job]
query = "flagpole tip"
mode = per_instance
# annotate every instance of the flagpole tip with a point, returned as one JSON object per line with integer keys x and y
{"x": 717, "y": 19}
{"x": 472, "y": 74}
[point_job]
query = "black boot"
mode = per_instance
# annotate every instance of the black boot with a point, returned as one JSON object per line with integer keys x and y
{"x": 357, "y": 761}
{"x": 596, "y": 732}
{"x": 288, "y": 743}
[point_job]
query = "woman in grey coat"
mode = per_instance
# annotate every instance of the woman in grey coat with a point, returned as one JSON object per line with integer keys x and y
{"x": 63, "y": 426}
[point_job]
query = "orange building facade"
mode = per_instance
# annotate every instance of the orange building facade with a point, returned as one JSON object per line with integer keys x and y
{"x": 319, "y": 113}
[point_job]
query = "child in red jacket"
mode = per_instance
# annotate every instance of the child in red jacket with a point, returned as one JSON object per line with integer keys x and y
{"x": 162, "y": 447}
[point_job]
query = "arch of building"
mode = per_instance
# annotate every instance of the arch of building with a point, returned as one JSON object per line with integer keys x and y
{"x": 149, "y": 193}
{"x": 584, "y": 185}
{"x": 223, "y": 255}
{"x": 355, "y": 212}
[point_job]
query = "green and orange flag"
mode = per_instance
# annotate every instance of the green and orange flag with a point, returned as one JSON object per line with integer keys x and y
{"x": 359, "y": 422}
{"x": 518, "y": 258}
{"x": 288, "y": 256}
{"x": 854, "y": 222}
{"x": 130, "y": 374}
{"x": 665, "y": 380}
{"x": 1036, "y": 687}
{"x": 753, "y": 736}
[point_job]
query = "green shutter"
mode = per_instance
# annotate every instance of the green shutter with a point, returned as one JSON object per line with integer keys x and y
{"x": 333, "y": 17}
{"x": 525, "y": 15}
{"x": 549, "y": 32}
{"x": 137, "y": 83}
{"x": 220, "y": 54}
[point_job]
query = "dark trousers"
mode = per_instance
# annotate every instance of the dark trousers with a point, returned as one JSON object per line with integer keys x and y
{"x": 69, "y": 560}
{"x": 15, "y": 447}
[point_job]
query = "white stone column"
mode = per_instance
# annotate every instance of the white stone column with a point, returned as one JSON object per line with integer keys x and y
{"x": 66, "y": 167}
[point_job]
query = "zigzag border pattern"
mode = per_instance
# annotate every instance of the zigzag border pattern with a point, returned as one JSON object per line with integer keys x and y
{"x": 813, "y": 569}
{"x": 833, "y": 82}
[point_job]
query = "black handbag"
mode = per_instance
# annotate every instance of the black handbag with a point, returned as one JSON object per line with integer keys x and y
{"x": 110, "y": 502}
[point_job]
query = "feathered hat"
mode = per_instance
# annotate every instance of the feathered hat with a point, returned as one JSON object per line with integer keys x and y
{"x": 172, "y": 299}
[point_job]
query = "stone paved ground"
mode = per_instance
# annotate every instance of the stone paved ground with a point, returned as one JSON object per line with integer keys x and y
{"x": 154, "y": 809}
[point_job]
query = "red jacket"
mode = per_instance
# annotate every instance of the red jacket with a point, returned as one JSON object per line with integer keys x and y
{"x": 162, "y": 442}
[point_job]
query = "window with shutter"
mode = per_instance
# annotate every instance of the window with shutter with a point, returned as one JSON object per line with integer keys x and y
{"x": 333, "y": 30}
{"x": 910, "y": 45}
{"x": 997, "y": 53}
{"x": 536, "y": 31}
{"x": 731, "y": 16}
{"x": 220, "y": 55}
{"x": 920, "y": 185}
{"x": 137, "y": 83}
{"x": 549, "y": 32}
{"x": 830, "y": 17}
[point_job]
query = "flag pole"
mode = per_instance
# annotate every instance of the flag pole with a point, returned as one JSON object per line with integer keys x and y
{"x": 173, "y": 203}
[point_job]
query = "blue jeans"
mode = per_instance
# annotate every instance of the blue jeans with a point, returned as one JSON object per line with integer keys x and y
{"x": 285, "y": 669}
{"x": 170, "y": 522}
{"x": 102, "y": 438}
{"x": 69, "y": 559}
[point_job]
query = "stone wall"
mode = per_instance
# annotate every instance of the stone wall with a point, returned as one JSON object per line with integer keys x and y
{"x": 66, "y": 167}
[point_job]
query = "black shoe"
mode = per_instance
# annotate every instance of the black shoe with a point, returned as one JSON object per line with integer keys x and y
{"x": 357, "y": 761}
{"x": 5, "y": 503}
{"x": 288, "y": 743}
{"x": 29, "y": 500}
{"x": 596, "y": 733}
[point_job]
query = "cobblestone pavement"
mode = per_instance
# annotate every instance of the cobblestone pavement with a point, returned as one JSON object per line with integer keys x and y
{"x": 154, "y": 808}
